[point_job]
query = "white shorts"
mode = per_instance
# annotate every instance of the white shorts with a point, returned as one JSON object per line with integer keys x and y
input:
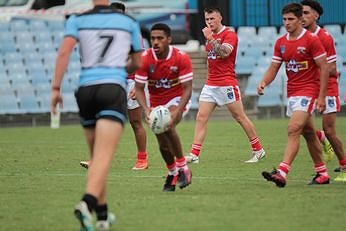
{"x": 175, "y": 102}
{"x": 300, "y": 103}
{"x": 332, "y": 104}
{"x": 132, "y": 103}
{"x": 220, "y": 95}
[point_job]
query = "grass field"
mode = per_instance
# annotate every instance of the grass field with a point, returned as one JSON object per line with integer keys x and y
{"x": 41, "y": 181}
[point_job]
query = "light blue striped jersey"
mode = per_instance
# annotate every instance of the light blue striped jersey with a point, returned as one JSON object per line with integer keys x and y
{"x": 106, "y": 37}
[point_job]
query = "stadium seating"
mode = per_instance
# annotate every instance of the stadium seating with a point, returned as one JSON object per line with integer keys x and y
{"x": 9, "y": 104}
{"x": 28, "y": 51}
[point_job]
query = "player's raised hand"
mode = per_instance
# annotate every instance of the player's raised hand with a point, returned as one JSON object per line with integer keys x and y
{"x": 207, "y": 32}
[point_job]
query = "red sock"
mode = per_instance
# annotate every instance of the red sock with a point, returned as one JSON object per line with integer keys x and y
{"x": 321, "y": 169}
{"x": 343, "y": 163}
{"x": 172, "y": 169}
{"x": 196, "y": 149}
{"x": 321, "y": 136}
{"x": 141, "y": 155}
{"x": 284, "y": 168}
{"x": 181, "y": 163}
{"x": 255, "y": 144}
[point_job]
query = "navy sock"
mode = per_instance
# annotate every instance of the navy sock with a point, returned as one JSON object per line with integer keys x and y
{"x": 102, "y": 212}
{"x": 91, "y": 201}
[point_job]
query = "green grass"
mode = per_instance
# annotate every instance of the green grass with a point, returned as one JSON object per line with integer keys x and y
{"x": 41, "y": 181}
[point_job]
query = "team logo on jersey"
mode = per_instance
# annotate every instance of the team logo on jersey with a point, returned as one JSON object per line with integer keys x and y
{"x": 230, "y": 93}
{"x": 174, "y": 69}
{"x": 295, "y": 66}
{"x": 163, "y": 83}
{"x": 301, "y": 50}
{"x": 304, "y": 102}
{"x": 282, "y": 49}
{"x": 331, "y": 103}
{"x": 151, "y": 68}
{"x": 211, "y": 54}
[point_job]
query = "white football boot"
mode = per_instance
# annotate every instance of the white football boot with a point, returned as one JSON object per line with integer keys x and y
{"x": 191, "y": 158}
{"x": 256, "y": 156}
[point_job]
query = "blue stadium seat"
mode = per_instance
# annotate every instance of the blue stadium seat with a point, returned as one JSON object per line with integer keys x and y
{"x": 54, "y": 25}
{"x": 57, "y": 37}
{"x": 38, "y": 26}
{"x": 5, "y": 87}
{"x": 7, "y": 37}
{"x": 254, "y": 51}
{"x": 194, "y": 100}
{"x": 27, "y": 47}
{"x": 9, "y": 46}
{"x": 282, "y": 30}
{"x": 267, "y": 32}
{"x": 246, "y": 32}
{"x": 70, "y": 104}
{"x": 11, "y": 58}
{"x": 29, "y": 104}
{"x": 14, "y": 69}
{"x": 44, "y": 37}
{"x": 44, "y": 101}
{"x": 19, "y": 25}
{"x": 23, "y": 37}
{"x": 245, "y": 64}
{"x": 38, "y": 77}
{"x": 251, "y": 87}
{"x": 24, "y": 89}
{"x": 67, "y": 86}
{"x": 9, "y": 104}
{"x": 4, "y": 27}
{"x": 46, "y": 47}
{"x": 334, "y": 30}
{"x": 271, "y": 98}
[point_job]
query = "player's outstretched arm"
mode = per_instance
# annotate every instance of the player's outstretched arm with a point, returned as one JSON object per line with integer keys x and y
{"x": 268, "y": 77}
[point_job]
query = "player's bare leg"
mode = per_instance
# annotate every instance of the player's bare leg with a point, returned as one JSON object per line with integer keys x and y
{"x": 89, "y": 134}
{"x": 204, "y": 112}
{"x": 237, "y": 111}
{"x": 329, "y": 127}
{"x": 135, "y": 118}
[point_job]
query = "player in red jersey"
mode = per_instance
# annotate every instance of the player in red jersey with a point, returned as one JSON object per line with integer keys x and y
{"x": 134, "y": 113}
{"x": 221, "y": 87}
{"x": 312, "y": 10}
{"x": 307, "y": 77}
{"x": 168, "y": 73}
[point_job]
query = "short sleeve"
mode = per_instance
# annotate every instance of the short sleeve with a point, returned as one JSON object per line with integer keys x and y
{"x": 136, "y": 38}
{"x": 185, "y": 73}
{"x": 277, "y": 56}
{"x": 71, "y": 28}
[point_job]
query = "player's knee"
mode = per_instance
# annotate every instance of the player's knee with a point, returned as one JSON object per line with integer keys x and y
{"x": 294, "y": 129}
{"x": 202, "y": 118}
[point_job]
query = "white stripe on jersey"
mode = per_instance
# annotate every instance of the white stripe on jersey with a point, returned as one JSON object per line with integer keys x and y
{"x": 104, "y": 48}
{"x": 186, "y": 77}
{"x": 141, "y": 79}
{"x": 331, "y": 59}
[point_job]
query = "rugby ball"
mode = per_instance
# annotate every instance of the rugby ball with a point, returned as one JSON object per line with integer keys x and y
{"x": 159, "y": 119}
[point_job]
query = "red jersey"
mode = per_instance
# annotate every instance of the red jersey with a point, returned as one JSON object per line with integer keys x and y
{"x": 328, "y": 44}
{"x": 221, "y": 71}
{"x": 164, "y": 76}
{"x": 303, "y": 75}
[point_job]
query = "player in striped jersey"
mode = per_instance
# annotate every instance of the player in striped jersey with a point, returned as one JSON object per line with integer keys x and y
{"x": 312, "y": 10}
{"x": 106, "y": 37}
{"x": 307, "y": 77}
{"x": 134, "y": 112}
